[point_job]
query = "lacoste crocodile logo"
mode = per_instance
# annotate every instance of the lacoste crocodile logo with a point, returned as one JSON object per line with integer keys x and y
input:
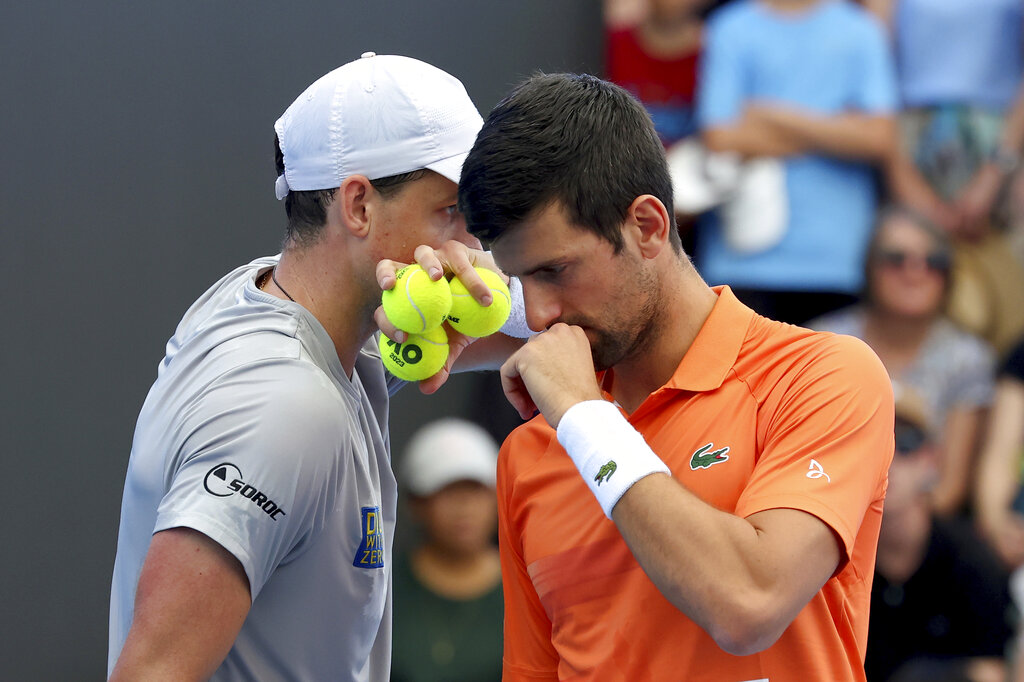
{"x": 702, "y": 459}
{"x": 606, "y": 471}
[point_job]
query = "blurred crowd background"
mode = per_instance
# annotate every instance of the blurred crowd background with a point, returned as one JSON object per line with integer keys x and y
{"x": 848, "y": 166}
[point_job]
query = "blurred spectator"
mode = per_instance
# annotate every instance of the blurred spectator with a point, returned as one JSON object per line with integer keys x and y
{"x": 939, "y": 601}
{"x": 811, "y": 82}
{"x": 656, "y": 60}
{"x": 901, "y": 318}
{"x": 448, "y": 602}
{"x": 999, "y": 501}
{"x": 621, "y": 13}
{"x": 961, "y": 64}
{"x": 654, "y": 54}
{"x": 1015, "y": 216}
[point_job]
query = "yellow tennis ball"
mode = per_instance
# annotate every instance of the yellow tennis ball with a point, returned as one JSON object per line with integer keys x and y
{"x": 471, "y": 318}
{"x": 416, "y": 303}
{"x": 420, "y": 357}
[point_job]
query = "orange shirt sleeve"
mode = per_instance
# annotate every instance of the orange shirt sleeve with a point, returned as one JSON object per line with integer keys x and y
{"x": 528, "y": 652}
{"x": 827, "y": 435}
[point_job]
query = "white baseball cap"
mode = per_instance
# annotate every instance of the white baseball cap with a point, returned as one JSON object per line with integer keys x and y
{"x": 377, "y": 116}
{"x": 446, "y": 451}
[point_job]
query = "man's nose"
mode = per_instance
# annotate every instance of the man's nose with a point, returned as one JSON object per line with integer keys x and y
{"x": 542, "y": 309}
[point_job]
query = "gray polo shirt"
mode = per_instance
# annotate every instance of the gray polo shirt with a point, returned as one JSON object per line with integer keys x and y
{"x": 253, "y": 435}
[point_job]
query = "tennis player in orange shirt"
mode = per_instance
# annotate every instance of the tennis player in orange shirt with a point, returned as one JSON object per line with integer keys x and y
{"x": 700, "y": 494}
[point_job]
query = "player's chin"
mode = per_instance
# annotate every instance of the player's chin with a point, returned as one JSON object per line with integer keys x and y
{"x": 600, "y": 359}
{"x": 605, "y": 354}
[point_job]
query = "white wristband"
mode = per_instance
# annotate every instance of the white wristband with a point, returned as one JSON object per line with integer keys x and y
{"x": 515, "y": 326}
{"x": 609, "y": 453}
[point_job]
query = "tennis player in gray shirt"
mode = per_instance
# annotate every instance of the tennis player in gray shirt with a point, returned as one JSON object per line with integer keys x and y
{"x": 259, "y": 504}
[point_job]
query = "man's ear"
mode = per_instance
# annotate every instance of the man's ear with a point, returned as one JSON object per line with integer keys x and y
{"x": 356, "y": 202}
{"x": 651, "y": 223}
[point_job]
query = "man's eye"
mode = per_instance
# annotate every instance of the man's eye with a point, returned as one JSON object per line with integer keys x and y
{"x": 552, "y": 271}
{"x": 452, "y": 210}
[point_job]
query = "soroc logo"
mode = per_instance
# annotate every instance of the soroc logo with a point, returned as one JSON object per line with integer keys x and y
{"x": 224, "y": 480}
{"x": 371, "y": 550}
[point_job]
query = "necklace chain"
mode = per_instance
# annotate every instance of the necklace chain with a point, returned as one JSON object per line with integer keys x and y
{"x": 273, "y": 276}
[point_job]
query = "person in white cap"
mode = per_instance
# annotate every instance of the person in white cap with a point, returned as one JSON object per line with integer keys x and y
{"x": 448, "y": 599}
{"x": 259, "y": 503}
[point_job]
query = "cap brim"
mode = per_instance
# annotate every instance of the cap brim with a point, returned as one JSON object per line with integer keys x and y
{"x": 451, "y": 167}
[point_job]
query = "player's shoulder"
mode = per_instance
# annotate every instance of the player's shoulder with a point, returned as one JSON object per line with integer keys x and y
{"x": 774, "y": 352}
{"x": 848, "y": 353}
{"x": 255, "y": 376}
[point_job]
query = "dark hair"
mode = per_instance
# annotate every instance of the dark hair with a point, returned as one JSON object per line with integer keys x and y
{"x": 568, "y": 138}
{"x": 307, "y": 209}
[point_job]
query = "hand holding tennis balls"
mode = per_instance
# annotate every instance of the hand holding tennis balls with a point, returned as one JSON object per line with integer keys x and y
{"x": 472, "y": 319}
{"x": 421, "y": 355}
{"x": 419, "y": 306}
{"x": 416, "y": 303}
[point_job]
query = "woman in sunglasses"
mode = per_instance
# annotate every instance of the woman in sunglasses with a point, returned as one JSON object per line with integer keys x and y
{"x": 901, "y": 317}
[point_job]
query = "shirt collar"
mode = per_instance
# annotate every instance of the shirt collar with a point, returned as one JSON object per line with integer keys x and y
{"x": 713, "y": 353}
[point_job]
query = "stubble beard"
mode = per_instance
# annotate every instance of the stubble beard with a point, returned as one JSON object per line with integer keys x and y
{"x": 637, "y": 329}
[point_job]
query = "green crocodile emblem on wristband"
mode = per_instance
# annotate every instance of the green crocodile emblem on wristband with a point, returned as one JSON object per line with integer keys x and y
{"x": 606, "y": 471}
{"x": 702, "y": 459}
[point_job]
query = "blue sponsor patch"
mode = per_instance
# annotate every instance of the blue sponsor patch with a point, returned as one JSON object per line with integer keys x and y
{"x": 371, "y": 550}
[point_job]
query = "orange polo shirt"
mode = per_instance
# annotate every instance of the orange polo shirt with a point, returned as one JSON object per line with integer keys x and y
{"x": 807, "y": 420}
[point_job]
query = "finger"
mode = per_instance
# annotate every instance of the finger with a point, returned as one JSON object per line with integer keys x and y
{"x": 475, "y": 284}
{"x": 389, "y": 330}
{"x": 456, "y": 344}
{"x": 517, "y": 396}
{"x": 462, "y": 262}
{"x": 428, "y": 259}
{"x": 515, "y": 389}
{"x": 430, "y": 385}
{"x": 385, "y": 272}
{"x": 472, "y": 242}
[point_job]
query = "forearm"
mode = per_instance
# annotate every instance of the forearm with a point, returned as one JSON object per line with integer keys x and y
{"x": 960, "y": 438}
{"x": 881, "y": 9}
{"x": 998, "y": 477}
{"x": 487, "y": 353}
{"x": 751, "y": 141}
{"x": 995, "y": 490}
{"x": 848, "y": 135}
{"x": 719, "y": 569}
{"x": 1006, "y": 157}
{"x": 742, "y": 580}
{"x": 909, "y": 187}
{"x": 1012, "y": 138}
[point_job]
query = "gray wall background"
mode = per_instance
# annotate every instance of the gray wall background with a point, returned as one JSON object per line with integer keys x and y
{"x": 137, "y": 168}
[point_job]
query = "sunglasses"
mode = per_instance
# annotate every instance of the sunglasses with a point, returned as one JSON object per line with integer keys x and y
{"x": 935, "y": 261}
{"x": 909, "y": 438}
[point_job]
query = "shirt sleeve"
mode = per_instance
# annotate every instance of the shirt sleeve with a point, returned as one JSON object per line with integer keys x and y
{"x": 259, "y": 468}
{"x": 528, "y": 651}
{"x": 720, "y": 89}
{"x": 828, "y": 440}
